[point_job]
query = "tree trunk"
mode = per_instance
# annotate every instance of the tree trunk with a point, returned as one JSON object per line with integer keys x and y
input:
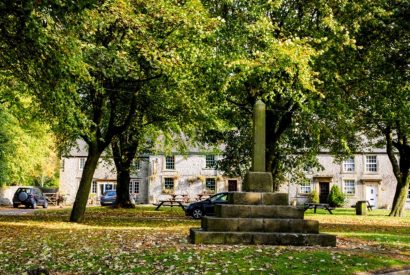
{"x": 123, "y": 192}
{"x": 399, "y": 201}
{"x": 124, "y": 149}
{"x": 81, "y": 199}
{"x": 401, "y": 171}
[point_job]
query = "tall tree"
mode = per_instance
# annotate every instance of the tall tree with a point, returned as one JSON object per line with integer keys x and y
{"x": 383, "y": 90}
{"x": 79, "y": 66}
{"x": 370, "y": 84}
{"x": 27, "y": 146}
{"x": 270, "y": 48}
{"x": 165, "y": 114}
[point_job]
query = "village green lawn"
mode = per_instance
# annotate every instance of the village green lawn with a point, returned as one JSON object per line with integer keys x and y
{"x": 141, "y": 240}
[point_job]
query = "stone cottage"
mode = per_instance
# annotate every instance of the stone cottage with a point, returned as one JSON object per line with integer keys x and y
{"x": 156, "y": 177}
{"x": 364, "y": 176}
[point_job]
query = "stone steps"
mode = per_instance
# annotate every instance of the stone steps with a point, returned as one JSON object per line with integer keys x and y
{"x": 199, "y": 236}
{"x": 258, "y": 211}
{"x": 259, "y": 225}
{"x": 259, "y": 218}
{"x": 258, "y": 198}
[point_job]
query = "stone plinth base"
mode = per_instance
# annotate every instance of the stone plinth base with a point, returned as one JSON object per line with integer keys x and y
{"x": 199, "y": 236}
{"x": 258, "y": 211}
{"x": 259, "y": 218}
{"x": 259, "y": 225}
{"x": 258, "y": 182}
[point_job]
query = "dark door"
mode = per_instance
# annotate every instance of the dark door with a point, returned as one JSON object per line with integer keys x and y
{"x": 232, "y": 185}
{"x": 324, "y": 191}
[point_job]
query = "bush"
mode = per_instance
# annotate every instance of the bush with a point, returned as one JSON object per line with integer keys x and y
{"x": 336, "y": 197}
{"x": 313, "y": 197}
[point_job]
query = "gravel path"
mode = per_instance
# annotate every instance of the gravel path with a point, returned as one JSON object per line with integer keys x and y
{"x": 8, "y": 211}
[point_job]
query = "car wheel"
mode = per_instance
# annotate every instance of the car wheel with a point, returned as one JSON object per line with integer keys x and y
{"x": 45, "y": 204}
{"x": 197, "y": 213}
{"x": 34, "y": 205}
{"x": 15, "y": 205}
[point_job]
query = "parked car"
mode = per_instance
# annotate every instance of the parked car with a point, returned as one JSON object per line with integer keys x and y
{"x": 206, "y": 207}
{"x": 108, "y": 198}
{"x": 29, "y": 197}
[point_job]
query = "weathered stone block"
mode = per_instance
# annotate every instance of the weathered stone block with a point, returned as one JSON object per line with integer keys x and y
{"x": 276, "y": 225}
{"x": 275, "y": 199}
{"x": 233, "y": 211}
{"x": 245, "y": 198}
{"x": 258, "y": 182}
{"x": 250, "y": 225}
{"x": 198, "y": 236}
{"x": 219, "y": 224}
{"x": 311, "y": 226}
{"x": 276, "y": 211}
{"x": 207, "y": 237}
{"x": 238, "y": 237}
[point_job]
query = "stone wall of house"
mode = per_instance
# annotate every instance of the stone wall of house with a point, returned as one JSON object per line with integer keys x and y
{"x": 189, "y": 176}
{"x": 6, "y": 194}
{"x": 383, "y": 180}
{"x": 70, "y": 175}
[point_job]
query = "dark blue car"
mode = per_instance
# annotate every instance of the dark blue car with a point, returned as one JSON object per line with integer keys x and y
{"x": 108, "y": 198}
{"x": 206, "y": 207}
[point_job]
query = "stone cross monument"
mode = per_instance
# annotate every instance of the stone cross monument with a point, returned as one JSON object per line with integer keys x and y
{"x": 257, "y": 215}
{"x": 258, "y": 180}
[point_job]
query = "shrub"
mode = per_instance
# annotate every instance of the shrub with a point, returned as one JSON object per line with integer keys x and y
{"x": 313, "y": 197}
{"x": 336, "y": 197}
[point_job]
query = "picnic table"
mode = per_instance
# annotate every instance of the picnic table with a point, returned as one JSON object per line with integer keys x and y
{"x": 318, "y": 205}
{"x": 55, "y": 198}
{"x": 170, "y": 203}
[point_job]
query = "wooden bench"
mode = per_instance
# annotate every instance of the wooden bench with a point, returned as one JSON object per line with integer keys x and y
{"x": 368, "y": 205}
{"x": 318, "y": 205}
{"x": 170, "y": 203}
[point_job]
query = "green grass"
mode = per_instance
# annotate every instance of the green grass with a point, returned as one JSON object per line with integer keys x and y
{"x": 117, "y": 241}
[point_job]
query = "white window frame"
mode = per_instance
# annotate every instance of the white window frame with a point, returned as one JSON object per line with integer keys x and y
{"x": 81, "y": 163}
{"x": 165, "y": 183}
{"x": 349, "y": 187}
{"x": 171, "y": 162}
{"x": 371, "y": 167}
{"x": 305, "y": 188}
{"x": 349, "y": 165}
{"x": 210, "y": 161}
{"x": 137, "y": 164}
{"x": 408, "y": 194}
{"x": 94, "y": 187}
{"x": 210, "y": 180}
{"x": 134, "y": 187}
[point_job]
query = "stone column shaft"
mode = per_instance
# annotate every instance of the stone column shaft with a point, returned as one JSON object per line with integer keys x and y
{"x": 259, "y": 137}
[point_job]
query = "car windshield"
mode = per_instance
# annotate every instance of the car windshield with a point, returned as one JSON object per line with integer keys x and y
{"x": 26, "y": 190}
{"x": 219, "y": 197}
{"x": 110, "y": 193}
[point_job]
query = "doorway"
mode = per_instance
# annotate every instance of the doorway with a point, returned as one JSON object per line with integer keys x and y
{"x": 323, "y": 192}
{"x": 371, "y": 195}
{"x": 232, "y": 185}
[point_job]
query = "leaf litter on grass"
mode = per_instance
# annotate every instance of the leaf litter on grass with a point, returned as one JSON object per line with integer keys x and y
{"x": 113, "y": 241}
